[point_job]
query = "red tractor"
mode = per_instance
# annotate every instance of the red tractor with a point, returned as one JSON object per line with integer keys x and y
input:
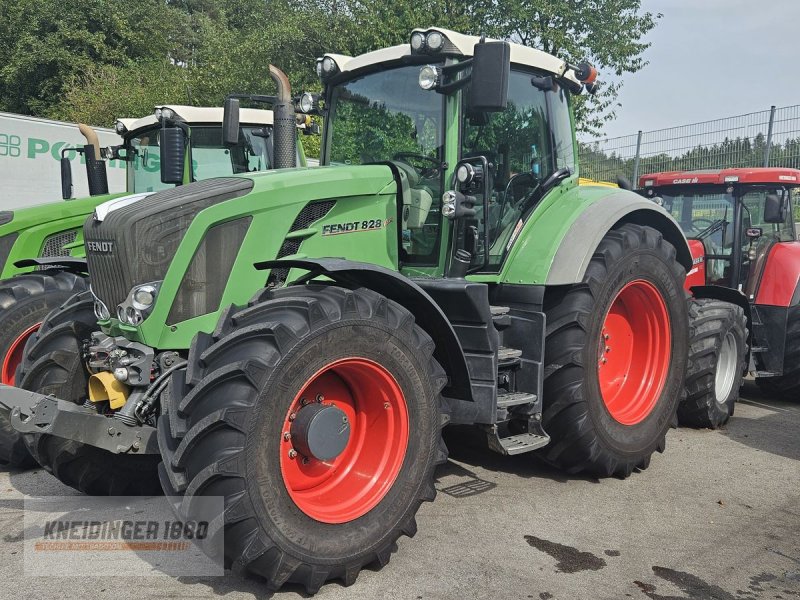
{"x": 745, "y": 282}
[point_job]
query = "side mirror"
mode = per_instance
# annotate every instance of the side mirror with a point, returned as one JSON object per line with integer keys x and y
{"x": 775, "y": 208}
{"x": 66, "y": 178}
{"x": 491, "y": 66}
{"x": 230, "y": 122}
{"x": 173, "y": 154}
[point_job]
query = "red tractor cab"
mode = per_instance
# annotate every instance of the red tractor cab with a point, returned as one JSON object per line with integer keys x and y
{"x": 741, "y": 228}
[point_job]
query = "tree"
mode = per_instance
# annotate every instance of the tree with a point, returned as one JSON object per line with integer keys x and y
{"x": 609, "y": 33}
{"x": 46, "y": 43}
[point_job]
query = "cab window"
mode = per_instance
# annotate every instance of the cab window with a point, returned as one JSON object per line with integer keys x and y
{"x": 525, "y": 143}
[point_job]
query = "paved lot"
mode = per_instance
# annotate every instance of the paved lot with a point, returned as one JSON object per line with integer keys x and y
{"x": 715, "y": 517}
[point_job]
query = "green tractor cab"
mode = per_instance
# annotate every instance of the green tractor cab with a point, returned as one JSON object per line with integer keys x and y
{"x": 42, "y": 257}
{"x": 295, "y": 340}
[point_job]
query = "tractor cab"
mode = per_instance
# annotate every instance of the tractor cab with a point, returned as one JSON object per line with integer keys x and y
{"x": 446, "y": 111}
{"x": 733, "y": 219}
{"x": 195, "y": 134}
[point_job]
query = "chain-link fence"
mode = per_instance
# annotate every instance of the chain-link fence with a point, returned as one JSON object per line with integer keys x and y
{"x": 766, "y": 138}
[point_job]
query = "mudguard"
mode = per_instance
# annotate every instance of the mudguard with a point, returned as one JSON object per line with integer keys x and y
{"x": 578, "y": 245}
{"x": 57, "y": 263}
{"x": 404, "y": 291}
{"x": 557, "y": 241}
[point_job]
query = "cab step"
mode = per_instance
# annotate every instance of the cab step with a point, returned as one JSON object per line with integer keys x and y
{"x": 508, "y": 357}
{"x": 514, "y": 399}
{"x": 500, "y": 317}
{"x": 516, "y": 444}
{"x": 766, "y": 374}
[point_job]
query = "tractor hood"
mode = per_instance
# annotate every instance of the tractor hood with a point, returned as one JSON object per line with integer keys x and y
{"x": 197, "y": 244}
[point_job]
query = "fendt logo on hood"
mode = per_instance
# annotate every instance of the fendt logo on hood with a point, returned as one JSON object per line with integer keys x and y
{"x": 101, "y": 246}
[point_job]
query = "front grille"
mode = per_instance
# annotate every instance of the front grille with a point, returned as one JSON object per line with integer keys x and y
{"x": 54, "y": 244}
{"x": 310, "y": 214}
{"x": 135, "y": 244}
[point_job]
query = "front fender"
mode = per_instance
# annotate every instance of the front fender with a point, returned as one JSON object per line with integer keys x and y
{"x": 404, "y": 291}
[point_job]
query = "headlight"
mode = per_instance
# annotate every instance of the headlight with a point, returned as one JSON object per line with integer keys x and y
{"x": 328, "y": 66}
{"x": 434, "y": 41}
{"x": 307, "y": 102}
{"x": 138, "y": 304}
{"x": 319, "y": 68}
{"x": 449, "y": 204}
{"x": 167, "y": 113}
{"x": 417, "y": 41}
{"x": 143, "y": 297}
{"x": 157, "y": 113}
{"x": 429, "y": 77}
{"x": 101, "y": 311}
{"x": 428, "y": 42}
{"x": 120, "y": 128}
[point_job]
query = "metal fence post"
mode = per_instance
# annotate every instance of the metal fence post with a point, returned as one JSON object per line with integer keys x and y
{"x": 635, "y": 181}
{"x": 769, "y": 135}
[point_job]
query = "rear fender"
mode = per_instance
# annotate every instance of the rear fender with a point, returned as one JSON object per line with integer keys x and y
{"x": 780, "y": 281}
{"x": 576, "y": 248}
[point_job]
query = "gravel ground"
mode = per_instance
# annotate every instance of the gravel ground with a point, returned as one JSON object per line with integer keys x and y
{"x": 715, "y": 517}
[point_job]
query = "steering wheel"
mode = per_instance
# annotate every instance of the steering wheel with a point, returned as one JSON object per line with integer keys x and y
{"x": 429, "y": 172}
{"x": 701, "y": 223}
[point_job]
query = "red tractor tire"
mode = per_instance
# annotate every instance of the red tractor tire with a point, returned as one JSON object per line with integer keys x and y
{"x": 615, "y": 356}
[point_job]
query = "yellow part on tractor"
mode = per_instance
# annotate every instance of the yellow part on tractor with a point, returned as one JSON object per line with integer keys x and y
{"x": 104, "y": 386}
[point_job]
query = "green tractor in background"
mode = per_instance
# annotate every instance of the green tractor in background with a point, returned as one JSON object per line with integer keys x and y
{"x": 295, "y": 340}
{"x": 42, "y": 253}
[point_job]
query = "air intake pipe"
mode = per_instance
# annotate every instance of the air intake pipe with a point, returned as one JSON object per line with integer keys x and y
{"x": 284, "y": 133}
{"x": 95, "y": 165}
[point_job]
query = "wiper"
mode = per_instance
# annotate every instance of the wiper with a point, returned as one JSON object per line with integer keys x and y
{"x": 711, "y": 229}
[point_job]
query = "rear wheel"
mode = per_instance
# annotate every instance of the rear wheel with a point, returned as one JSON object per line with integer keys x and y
{"x": 717, "y": 351}
{"x": 787, "y": 386}
{"x": 315, "y": 413}
{"x": 25, "y": 300}
{"x": 53, "y": 364}
{"x": 615, "y": 355}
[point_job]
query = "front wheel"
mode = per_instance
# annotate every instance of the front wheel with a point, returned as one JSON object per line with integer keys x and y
{"x": 25, "y": 301}
{"x": 53, "y": 364}
{"x": 315, "y": 413}
{"x": 717, "y": 351}
{"x": 615, "y": 356}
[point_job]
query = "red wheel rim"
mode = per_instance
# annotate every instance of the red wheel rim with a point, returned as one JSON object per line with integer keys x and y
{"x": 14, "y": 355}
{"x": 350, "y": 485}
{"x": 634, "y": 352}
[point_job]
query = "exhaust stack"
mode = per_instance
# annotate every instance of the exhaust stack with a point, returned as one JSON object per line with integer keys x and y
{"x": 284, "y": 134}
{"x": 95, "y": 165}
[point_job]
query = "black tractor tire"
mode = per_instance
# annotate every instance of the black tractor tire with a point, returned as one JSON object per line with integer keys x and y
{"x": 787, "y": 386}
{"x": 585, "y": 437}
{"x": 25, "y": 300}
{"x": 221, "y": 423}
{"x": 717, "y": 353}
{"x": 53, "y": 364}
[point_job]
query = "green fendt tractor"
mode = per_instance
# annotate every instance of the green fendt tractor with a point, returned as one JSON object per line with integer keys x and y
{"x": 41, "y": 247}
{"x": 294, "y": 341}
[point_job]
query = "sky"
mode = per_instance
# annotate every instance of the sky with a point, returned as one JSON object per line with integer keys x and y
{"x": 712, "y": 59}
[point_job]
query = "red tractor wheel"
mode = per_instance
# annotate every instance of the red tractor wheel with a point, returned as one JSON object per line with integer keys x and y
{"x": 615, "y": 356}
{"x": 315, "y": 413}
{"x": 25, "y": 301}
